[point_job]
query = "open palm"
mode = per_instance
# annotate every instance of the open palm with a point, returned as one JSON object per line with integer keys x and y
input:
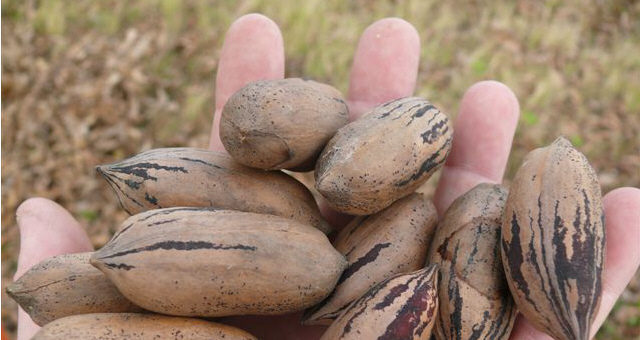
{"x": 385, "y": 67}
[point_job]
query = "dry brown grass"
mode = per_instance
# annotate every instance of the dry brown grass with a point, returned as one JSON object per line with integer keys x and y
{"x": 89, "y": 82}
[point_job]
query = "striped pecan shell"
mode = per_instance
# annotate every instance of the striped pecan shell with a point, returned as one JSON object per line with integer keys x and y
{"x": 401, "y": 307}
{"x": 66, "y": 285}
{"x": 383, "y": 156}
{"x": 379, "y": 246}
{"x": 474, "y": 299}
{"x": 200, "y": 262}
{"x": 189, "y": 177}
{"x": 553, "y": 240}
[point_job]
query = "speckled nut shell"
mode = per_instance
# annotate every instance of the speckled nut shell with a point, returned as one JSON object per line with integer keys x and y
{"x": 281, "y": 124}
{"x": 383, "y": 156}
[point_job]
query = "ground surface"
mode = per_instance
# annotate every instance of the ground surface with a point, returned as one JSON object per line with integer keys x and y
{"x": 91, "y": 82}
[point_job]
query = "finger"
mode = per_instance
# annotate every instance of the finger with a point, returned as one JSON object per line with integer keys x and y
{"x": 524, "y": 330}
{"x": 385, "y": 65}
{"x": 482, "y": 137}
{"x": 276, "y": 327}
{"x": 252, "y": 50}
{"x": 46, "y": 229}
{"x": 622, "y": 218}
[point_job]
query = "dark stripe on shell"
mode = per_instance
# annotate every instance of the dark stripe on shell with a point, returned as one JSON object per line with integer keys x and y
{"x": 180, "y": 245}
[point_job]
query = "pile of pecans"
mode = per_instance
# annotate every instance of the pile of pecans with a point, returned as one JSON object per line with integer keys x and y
{"x": 215, "y": 234}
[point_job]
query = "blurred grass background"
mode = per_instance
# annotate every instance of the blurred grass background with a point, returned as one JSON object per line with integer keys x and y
{"x": 90, "y": 82}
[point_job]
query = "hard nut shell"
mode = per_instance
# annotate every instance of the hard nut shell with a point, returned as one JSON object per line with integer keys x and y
{"x": 282, "y": 123}
{"x": 553, "y": 240}
{"x": 393, "y": 241}
{"x": 474, "y": 299}
{"x": 401, "y": 307}
{"x": 177, "y": 177}
{"x": 383, "y": 156}
{"x": 131, "y": 326}
{"x": 66, "y": 285}
{"x": 200, "y": 262}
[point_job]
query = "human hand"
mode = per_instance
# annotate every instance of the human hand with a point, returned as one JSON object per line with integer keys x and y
{"x": 384, "y": 68}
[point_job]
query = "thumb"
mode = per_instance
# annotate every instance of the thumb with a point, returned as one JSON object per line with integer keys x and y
{"x": 46, "y": 229}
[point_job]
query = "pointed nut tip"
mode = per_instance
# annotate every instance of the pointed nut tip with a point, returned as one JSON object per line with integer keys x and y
{"x": 323, "y": 184}
{"x": 95, "y": 261}
{"x": 561, "y": 140}
{"x": 14, "y": 289}
{"x": 311, "y": 319}
{"x": 99, "y": 169}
